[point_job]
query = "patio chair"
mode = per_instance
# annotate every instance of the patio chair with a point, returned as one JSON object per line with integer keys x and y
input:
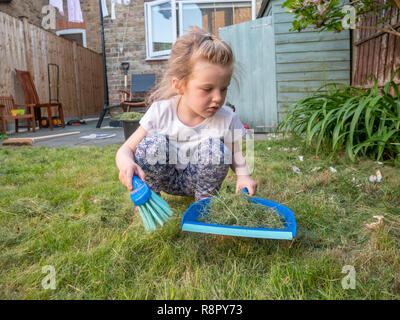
{"x": 32, "y": 98}
{"x": 140, "y": 83}
{"x": 6, "y": 105}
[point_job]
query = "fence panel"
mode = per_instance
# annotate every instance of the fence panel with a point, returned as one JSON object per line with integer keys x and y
{"x": 375, "y": 52}
{"x": 25, "y": 46}
{"x": 253, "y": 44}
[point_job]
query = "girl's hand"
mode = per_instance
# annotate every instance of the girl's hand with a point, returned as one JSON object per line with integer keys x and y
{"x": 126, "y": 173}
{"x": 246, "y": 182}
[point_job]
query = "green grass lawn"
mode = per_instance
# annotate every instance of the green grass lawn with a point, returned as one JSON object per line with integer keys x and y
{"x": 65, "y": 207}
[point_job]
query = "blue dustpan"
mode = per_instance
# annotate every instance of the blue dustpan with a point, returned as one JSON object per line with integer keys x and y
{"x": 190, "y": 223}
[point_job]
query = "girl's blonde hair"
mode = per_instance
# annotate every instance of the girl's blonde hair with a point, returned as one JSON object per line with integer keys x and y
{"x": 189, "y": 48}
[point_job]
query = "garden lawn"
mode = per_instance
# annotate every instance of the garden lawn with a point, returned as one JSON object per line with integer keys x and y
{"x": 65, "y": 207}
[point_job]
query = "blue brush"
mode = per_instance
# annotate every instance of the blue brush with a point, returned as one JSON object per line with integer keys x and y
{"x": 190, "y": 222}
{"x": 152, "y": 208}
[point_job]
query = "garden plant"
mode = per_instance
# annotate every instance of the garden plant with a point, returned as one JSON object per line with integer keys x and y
{"x": 361, "y": 121}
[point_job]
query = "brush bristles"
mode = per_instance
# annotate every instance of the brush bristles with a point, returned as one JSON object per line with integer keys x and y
{"x": 154, "y": 211}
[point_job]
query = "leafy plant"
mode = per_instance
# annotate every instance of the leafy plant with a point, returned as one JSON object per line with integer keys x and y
{"x": 365, "y": 121}
{"x": 330, "y": 14}
{"x": 134, "y": 116}
{"x": 3, "y": 136}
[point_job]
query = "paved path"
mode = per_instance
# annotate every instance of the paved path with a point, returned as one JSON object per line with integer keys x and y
{"x": 85, "y": 130}
{"x": 76, "y": 139}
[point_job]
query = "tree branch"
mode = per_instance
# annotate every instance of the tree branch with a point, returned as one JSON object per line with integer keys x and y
{"x": 396, "y": 33}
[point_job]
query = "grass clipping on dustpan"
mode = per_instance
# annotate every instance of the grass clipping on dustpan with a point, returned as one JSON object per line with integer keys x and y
{"x": 238, "y": 210}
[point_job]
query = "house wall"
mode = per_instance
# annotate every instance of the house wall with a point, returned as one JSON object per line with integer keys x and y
{"x": 28, "y": 8}
{"x": 91, "y": 16}
{"x": 306, "y": 60}
{"x": 128, "y": 31}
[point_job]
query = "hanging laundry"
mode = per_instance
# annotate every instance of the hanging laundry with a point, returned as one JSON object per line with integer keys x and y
{"x": 74, "y": 11}
{"x": 57, "y": 4}
{"x": 104, "y": 8}
{"x": 113, "y": 3}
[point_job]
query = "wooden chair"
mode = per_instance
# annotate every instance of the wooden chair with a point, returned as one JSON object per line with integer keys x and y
{"x": 6, "y": 105}
{"x": 32, "y": 98}
{"x": 142, "y": 83}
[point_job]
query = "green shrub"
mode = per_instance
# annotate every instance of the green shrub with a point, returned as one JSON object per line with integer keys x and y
{"x": 131, "y": 116}
{"x": 364, "y": 121}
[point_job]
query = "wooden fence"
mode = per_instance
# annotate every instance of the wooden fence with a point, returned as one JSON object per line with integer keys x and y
{"x": 375, "y": 52}
{"x": 24, "y": 46}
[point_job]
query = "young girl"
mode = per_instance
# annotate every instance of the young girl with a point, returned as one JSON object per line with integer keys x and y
{"x": 177, "y": 148}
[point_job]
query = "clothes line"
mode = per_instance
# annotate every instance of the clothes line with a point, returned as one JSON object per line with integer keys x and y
{"x": 74, "y": 9}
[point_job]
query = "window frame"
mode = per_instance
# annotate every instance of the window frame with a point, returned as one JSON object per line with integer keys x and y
{"x": 176, "y": 4}
{"x": 149, "y": 34}
{"x": 74, "y": 31}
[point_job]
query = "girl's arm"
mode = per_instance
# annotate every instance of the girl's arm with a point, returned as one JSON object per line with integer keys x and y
{"x": 125, "y": 159}
{"x": 240, "y": 168}
{"x": 238, "y": 161}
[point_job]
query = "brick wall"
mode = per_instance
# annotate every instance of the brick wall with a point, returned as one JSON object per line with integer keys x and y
{"x": 91, "y": 16}
{"x": 128, "y": 29}
{"x": 28, "y": 8}
{"x": 91, "y": 22}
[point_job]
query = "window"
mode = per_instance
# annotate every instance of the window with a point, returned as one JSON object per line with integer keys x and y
{"x": 77, "y": 35}
{"x": 168, "y": 19}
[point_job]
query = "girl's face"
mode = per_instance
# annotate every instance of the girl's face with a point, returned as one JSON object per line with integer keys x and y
{"x": 205, "y": 91}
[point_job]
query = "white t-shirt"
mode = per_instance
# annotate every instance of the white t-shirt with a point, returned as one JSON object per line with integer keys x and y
{"x": 162, "y": 118}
